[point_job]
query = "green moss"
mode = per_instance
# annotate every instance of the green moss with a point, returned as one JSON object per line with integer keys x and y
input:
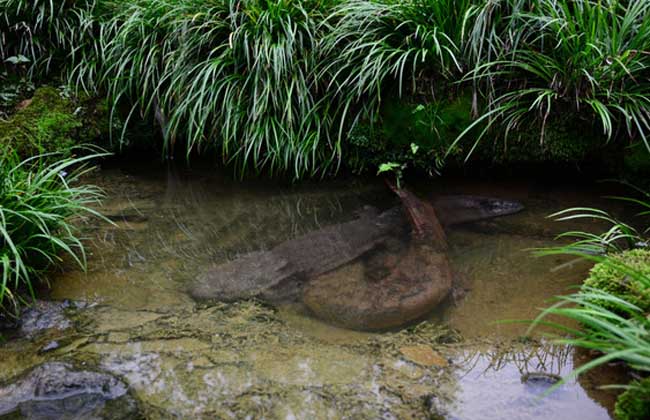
{"x": 55, "y": 121}
{"x": 434, "y": 126}
{"x": 634, "y": 404}
{"x": 566, "y": 139}
{"x": 48, "y": 123}
{"x": 636, "y": 161}
{"x": 609, "y": 279}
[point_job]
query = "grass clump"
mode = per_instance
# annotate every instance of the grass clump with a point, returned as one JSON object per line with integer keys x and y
{"x": 38, "y": 35}
{"x": 282, "y": 86}
{"x": 612, "y": 305}
{"x": 539, "y": 60}
{"x": 37, "y": 202}
{"x": 234, "y": 76}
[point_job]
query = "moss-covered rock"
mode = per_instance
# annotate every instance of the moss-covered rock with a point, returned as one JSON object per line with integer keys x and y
{"x": 54, "y": 121}
{"x": 564, "y": 138}
{"x": 47, "y": 122}
{"x": 634, "y": 404}
{"x": 607, "y": 278}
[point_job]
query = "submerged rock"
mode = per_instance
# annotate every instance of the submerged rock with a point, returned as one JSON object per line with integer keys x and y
{"x": 540, "y": 378}
{"x": 56, "y": 390}
{"x": 423, "y": 355}
{"x": 417, "y": 280}
{"x": 44, "y": 315}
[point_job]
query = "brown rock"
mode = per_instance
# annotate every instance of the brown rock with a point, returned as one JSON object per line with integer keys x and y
{"x": 354, "y": 298}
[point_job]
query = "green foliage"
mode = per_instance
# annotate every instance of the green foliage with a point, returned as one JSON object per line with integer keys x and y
{"x": 377, "y": 48}
{"x": 608, "y": 278}
{"x": 431, "y": 128}
{"x": 619, "y": 237}
{"x": 37, "y": 34}
{"x": 539, "y": 59}
{"x": 12, "y": 90}
{"x": 237, "y": 76}
{"x": 286, "y": 86}
{"x": 614, "y": 327}
{"x": 37, "y": 202}
{"x": 634, "y": 403}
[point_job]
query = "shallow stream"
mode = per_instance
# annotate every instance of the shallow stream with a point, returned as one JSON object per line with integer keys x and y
{"x": 130, "y": 314}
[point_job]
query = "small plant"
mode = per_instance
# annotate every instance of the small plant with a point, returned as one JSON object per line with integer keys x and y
{"x": 38, "y": 199}
{"x": 397, "y": 169}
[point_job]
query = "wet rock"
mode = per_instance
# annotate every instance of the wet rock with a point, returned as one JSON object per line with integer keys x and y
{"x": 423, "y": 355}
{"x": 52, "y": 345}
{"x": 56, "y": 390}
{"x": 44, "y": 315}
{"x": 540, "y": 378}
{"x": 365, "y": 297}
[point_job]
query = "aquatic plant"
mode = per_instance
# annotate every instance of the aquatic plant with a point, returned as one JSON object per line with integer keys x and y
{"x": 37, "y": 202}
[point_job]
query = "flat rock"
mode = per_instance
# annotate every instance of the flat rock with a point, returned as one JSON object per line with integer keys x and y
{"x": 364, "y": 296}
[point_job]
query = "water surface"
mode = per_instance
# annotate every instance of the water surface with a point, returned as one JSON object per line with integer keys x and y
{"x": 186, "y": 359}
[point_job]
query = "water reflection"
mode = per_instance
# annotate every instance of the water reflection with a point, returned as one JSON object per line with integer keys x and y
{"x": 511, "y": 383}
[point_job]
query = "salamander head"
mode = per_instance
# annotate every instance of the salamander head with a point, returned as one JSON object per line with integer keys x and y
{"x": 455, "y": 209}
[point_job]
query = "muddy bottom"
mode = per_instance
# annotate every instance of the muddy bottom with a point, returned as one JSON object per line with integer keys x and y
{"x": 130, "y": 317}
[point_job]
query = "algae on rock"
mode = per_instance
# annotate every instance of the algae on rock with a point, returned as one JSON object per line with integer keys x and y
{"x": 610, "y": 279}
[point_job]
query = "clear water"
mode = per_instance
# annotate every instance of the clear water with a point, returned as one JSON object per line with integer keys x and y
{"x": 186, "y": 359}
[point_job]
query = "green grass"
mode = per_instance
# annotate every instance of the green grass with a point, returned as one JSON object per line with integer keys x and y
{"x": 279, "y": 85}
{"x": 37, "y": 203}
{"x": 38, "y": 35}
{"x": 613, "y": 327}
{"x": 536, "y": 60}
{"x": 239, "y": 77}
